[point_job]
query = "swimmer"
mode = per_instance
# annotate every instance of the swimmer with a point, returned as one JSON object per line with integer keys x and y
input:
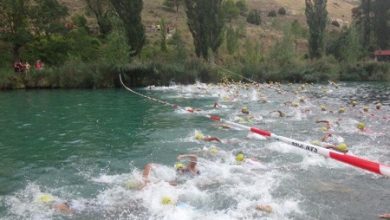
{"x": 62, "y": 207}
{"x": 216, "y": 105}
{"x": 335, "y": 142}
{"x": 245, "y": 110}
{"x": 280, "y": 113}
{"x": 264, "y": 208}
{"x": 326, "y": 122}
{"x": 241, "y": 159}
{"x": 361, "y": 126}
{"x": 200, "y": 137}
{"x": 384, "y": 216}
{"x": 191, "y": 167}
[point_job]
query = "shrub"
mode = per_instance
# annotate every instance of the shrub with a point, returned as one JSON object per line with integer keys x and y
{"x": 254, "y": 17}
{"x": 241, "y": 4}
{"x": 272, "y": 13}
{"x": 282, "y": 11}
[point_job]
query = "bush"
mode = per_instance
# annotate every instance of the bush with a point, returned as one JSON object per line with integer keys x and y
{"x": 230, "y": 9}
{"x": 241, "y": 4}
{"x": 282, "y": 11}
{"x": 254, "y": 17}
{"x": 272, "y": 13}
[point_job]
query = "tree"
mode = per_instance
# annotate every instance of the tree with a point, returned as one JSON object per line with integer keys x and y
{"x": 173, "y": 4}
{"x": 48, "y": 16}
{"x": 101, "y": 10}
{"x": 14, "y": 24}
{"x": 254, "y": 17}
{"x": 129, "y": 11}
{"x": 232, "y": 37}
{"x": 316, "y": 18}
{"x": 163, "y": 35}
{"x": 230, "y": 9}
{"x": 206, "y": 23}
{"x": 382, "y": 23}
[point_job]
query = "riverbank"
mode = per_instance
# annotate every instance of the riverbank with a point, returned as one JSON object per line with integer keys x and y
{"x": 76, "y": 74}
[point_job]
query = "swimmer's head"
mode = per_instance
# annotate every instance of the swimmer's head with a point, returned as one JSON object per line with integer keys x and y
{"x": 378, "y": 106}
{"x": 295, "y": 104}
{"x": 354, "y": 103}
{"x": 199, "y": 136}
{"x": 365, "y": 108}
{"x": 316, "y": 142}
{"x": 213, "y": 149}
{"x": 45, "y": 198}
{"x": 323, "y": 107}
{"x": 179, "y": 166}
{"x": 324, "y": 129}
{"x": 240, "y": 157}
{"x": 342, "y": 147}
{"x": 166, "y": 200}
{"x": 361, "y": 126}
{"x": 245, "y": 110}
{"x": 341, "y": 110}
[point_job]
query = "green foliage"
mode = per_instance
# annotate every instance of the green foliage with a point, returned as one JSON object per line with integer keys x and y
{"x": 47, "y": 16}
{"x": 254, "y": 17}
{"x": 283, "y": 52}
{"x": 116, "y": 50}
{"x": 129, "y": 11}
{"x": 172, "y": 4}
{"x": 83, "y": 45}
{"x": 14, "y": 23}
{"x": 179, "y": 48}
{"x": 230, "y": 10}
{"x": 206, "y": 22}
{"x": 232, "y": 37}
{"x": 297, "y": 30}
{"x": 241, "y": 5}
{"x": 81, "y": 22}
{"x": 101, "y": 10}
{"x": 252, "y": 54}
{"x": 53, "y": 50}
{"x": 316, "y": 17}
{"x": 163, "y": 36}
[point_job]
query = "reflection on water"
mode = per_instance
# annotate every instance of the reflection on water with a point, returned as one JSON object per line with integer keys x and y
{"x": 88, "y": 148}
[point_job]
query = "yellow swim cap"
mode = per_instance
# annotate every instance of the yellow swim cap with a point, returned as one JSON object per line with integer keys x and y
{"x": 213, "y": 149}
{"x": 199, "y": 135}
{"x": 295, "y": 104}
{"x": 324, "y": 129}
{"x": 342, "y": 147}
{"x": 245, "y": 110}
{"x": 46, "y": 198}
{"x": 365, "y": 108}
{"x": 341, "y": 110}
{"x": 354, "y": 103}
{"x": 179, "y": 165}
{"x": 133, "y": 184}
{"x": 240, "y": 157}
{"x": 323, "y": 108}
{"x": 166, "y": 200}
{"x": 378, "y": 106}
{"x": 361, "y": 126}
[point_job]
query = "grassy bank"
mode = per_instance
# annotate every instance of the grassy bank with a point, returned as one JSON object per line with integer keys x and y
{"x": 76, "y": 74}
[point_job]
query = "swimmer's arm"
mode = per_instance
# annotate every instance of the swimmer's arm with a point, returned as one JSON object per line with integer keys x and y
{"x": 384, "y": 216}
{"x": 323, "y": 121}
{"x": 212, "y": 139}
{"x": 145, "y": 175}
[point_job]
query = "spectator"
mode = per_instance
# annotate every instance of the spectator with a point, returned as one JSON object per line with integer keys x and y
{"x": 39, "y": 65}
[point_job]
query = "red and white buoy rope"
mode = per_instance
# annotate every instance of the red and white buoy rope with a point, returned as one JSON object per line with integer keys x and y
{"x": 359, "y": 162}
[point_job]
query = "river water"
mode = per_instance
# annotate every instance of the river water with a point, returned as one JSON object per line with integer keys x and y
{"x": 88, "y": 148}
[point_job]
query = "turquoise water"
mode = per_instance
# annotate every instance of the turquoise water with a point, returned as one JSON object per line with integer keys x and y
{"x": 83, "y": 146}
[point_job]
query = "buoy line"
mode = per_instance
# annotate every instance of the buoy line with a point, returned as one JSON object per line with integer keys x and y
{"x": 353, "y": 160}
